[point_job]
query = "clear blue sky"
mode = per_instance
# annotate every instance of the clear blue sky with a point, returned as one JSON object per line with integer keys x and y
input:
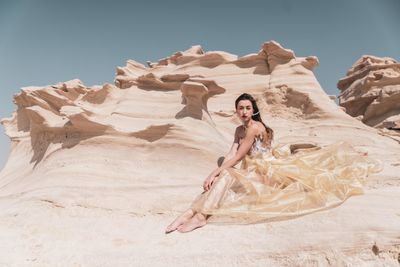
{"x": 45, "y": 42}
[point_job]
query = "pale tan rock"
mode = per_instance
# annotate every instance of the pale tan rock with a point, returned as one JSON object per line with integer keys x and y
{"x": 371, "y": 89}
{"x": 332, "y": 97}
{"x": 95, "y": 174}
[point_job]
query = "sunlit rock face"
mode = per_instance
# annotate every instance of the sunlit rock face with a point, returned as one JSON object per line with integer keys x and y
{"x": 101, "y": 170}
{"x": 371, "y": 92}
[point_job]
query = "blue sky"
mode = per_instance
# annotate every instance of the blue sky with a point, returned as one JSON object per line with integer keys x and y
{"x": 45, "y": 42}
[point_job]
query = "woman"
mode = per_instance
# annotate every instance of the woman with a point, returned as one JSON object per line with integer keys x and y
{"x": 272, "y": 183}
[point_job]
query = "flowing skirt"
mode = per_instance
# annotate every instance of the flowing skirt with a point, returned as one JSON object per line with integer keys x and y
{"x": 277, "y": 185}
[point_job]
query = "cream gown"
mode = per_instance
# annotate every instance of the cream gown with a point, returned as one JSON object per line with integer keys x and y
{"x": 273, "y": 184}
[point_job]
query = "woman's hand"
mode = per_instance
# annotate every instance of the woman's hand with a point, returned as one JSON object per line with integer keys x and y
{"x": 210, "y": 181}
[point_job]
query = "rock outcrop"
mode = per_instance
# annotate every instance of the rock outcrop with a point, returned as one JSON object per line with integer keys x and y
{"x": 371, "y": 92}
{"x": 96, "y": 173}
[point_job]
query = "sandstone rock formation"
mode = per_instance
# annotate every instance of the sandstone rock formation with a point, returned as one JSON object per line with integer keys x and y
{"x": 96, "y": 173}
{"x": 371, "y": 92}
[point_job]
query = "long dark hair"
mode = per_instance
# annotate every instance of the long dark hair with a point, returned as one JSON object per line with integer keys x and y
{"x": 256, "y": 113}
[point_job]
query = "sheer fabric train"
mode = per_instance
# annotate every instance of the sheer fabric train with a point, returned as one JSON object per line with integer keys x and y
{"x": 273, "y": 184}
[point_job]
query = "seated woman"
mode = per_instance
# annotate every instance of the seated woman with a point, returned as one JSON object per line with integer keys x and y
{"x": 272, "y": 183}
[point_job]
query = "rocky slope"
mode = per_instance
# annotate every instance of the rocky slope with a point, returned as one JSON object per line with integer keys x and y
{"x": 96, "y": 173}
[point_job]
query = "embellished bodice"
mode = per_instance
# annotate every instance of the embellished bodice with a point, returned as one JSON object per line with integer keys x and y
{"x": 260, "y": 144}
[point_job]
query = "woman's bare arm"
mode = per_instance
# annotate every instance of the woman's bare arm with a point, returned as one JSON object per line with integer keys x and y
{"x": 240, "y": 153}
{"x": 229, "y": 156}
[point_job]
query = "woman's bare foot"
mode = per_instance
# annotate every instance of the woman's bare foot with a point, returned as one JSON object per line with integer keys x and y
{"x": 198, "y": 220}
{"x": 184, "y": 217}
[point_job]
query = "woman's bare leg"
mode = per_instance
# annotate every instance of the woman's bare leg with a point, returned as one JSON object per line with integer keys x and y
{"x": 198, "y": 220}
{"x": 209, "y": 199}
{"x": 184, "y": 217}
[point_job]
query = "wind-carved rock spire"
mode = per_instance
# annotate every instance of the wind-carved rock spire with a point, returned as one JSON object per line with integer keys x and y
{"x": 293, "y": 91}
{"x": 277, "y": 55}
{"x": 195, "y": 94}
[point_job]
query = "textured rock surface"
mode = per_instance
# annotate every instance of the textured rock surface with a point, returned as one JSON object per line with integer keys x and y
{"x": 371, "y": 92}
{"x": 96, "y": 173}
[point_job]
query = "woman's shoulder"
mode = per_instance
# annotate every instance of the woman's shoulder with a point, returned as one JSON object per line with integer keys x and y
{"x": 239, "y": 130}
{"x": 256, "y": 127}
{"x": 259, "y": 128}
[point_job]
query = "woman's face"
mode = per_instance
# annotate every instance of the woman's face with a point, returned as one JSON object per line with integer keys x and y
{"x": 244, "y": 110}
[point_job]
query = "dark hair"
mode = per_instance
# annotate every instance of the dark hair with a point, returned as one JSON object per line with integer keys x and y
{"x": 256, "y": 111}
